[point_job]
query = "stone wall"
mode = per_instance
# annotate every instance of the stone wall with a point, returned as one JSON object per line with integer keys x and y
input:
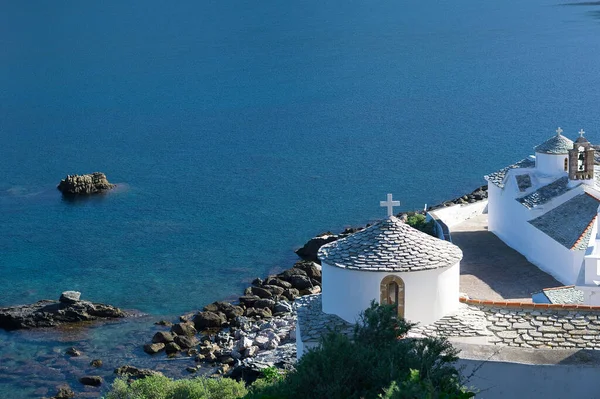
{"x": 540, "y": 325}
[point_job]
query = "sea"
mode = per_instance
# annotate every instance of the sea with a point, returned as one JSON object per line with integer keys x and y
{"x": 236, "y": 130}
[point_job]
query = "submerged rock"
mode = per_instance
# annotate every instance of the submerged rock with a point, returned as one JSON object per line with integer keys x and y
{"x": 91, "y": 380}
{"x": 135, "y": 373}
{"x": 72, "y": 351}
{"x": 48, "y": 313}
{"x": 84, "y": 184}
{"x": 64, "y": 392}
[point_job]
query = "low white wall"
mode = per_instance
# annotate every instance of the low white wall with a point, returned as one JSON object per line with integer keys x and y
{"x": 457, "y": 214}
{"x": 299, "y": 342}
{"x": 428, "y": 294}
{"x": 501, "y": 380}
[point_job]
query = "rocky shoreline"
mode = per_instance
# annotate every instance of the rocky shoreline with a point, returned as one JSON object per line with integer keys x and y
{"x": 240, "y": 339}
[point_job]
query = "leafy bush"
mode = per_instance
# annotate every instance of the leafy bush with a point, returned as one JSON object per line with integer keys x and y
{"x": 419, "y": 222}
{"x": 159, "y": 387}
{"x": 374, "y": 364}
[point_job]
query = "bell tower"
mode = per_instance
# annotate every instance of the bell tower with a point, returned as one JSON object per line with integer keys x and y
{"x": 581, "y": 160}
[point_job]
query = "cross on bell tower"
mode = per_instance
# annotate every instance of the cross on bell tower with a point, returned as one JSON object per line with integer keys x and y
{"x": 581, "y": 161}
{"x": 390, "y": 204}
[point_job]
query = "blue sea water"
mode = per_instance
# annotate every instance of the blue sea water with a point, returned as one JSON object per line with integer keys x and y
{"x": 236, "y": 130}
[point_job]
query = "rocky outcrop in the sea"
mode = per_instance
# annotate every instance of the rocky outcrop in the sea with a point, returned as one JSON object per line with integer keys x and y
{"x": 84, "y": 184}
{"x": 47, "y": 313}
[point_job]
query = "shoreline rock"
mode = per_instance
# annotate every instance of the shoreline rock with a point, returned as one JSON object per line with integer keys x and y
{"x": 241, "y": 338}
{"x": 48, "y": 313}
{"x": 93, "y": 183}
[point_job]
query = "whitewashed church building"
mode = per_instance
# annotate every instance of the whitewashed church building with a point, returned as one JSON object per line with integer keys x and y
{"x": 546, "y": 206}
{"x": 388, "y": 262}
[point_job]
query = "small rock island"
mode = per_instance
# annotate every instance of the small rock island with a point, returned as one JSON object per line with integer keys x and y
{"x": 68, "y": 309}
{"x": 75, "y": 185}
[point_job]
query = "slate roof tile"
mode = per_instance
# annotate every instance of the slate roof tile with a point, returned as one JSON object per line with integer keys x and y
{"x": 544, "y": 194}
{"x": 564, "y": 295}
{"x": 497, "y": 177}
{"x": 390, "y": 245}
{"x": 557, "y": 144}
{"x": 570, "y": 223}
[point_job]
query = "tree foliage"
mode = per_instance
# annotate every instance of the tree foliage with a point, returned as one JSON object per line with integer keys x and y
{"x": 160, "y": 387}
{"x": 374, "y": 363}
{"x": 419, "y": 222}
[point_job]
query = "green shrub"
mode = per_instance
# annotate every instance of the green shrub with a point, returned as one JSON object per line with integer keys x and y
{"x": 374, "y": 363}
{"x": 419, "y": 222}
{"x": 159, "y": 387}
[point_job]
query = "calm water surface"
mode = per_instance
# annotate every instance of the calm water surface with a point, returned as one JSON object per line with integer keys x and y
{"x": 237, "y": 130}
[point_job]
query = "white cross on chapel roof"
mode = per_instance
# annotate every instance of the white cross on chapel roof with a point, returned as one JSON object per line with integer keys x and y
{"x": 390, "y": 204}
{"x": 559, "y": 131}
{"x": 581, "y": 133}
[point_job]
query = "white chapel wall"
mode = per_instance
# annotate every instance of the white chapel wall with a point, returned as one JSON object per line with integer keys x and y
{"x": 457, "y": 214}
{"x": 551, "y": 164}
{"x": 508, "y": 219}
{"x": 429, "y": 294}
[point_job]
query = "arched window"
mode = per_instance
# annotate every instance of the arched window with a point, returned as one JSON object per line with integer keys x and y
{"x": 581, "y": 159}
{"x": 392, "y": 293}
{"x": 566, "y": 164}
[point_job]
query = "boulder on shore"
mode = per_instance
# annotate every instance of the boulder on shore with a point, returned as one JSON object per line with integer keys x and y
{"x": 47, "y": 313}
{"x": 310, "y": 249}
{"x": 84, "y": 184}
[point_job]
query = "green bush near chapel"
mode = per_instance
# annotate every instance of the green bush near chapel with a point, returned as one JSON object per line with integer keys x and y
{"x": 160, "y": 387}
{"x": 419, "y": 222}
{"x": 374, "y": 363}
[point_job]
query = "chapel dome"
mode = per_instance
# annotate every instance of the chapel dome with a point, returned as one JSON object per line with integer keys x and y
{"x": 390, "y": 245}
{"x": 556, "y": 145}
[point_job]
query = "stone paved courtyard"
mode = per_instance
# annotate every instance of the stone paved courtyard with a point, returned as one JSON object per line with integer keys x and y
{"x": 491, "y": 270}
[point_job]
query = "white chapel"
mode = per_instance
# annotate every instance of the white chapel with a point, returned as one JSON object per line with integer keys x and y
{"x": 391, "y": 263}
{"x": 546, "y": 206}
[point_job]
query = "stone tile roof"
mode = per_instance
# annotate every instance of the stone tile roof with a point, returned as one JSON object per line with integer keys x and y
{"x": 570, "y": 223}
{"x": 564, "y": 295}
{"x": 390, "y": 245}
{"x": 314, "y": 323}
{"x": 546, "y": 193}
{"x": 466, "y": 321}
{"x": 523, "y": 182}
{"x": 497, "y": 177}
{"x": 557, "y": 144}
